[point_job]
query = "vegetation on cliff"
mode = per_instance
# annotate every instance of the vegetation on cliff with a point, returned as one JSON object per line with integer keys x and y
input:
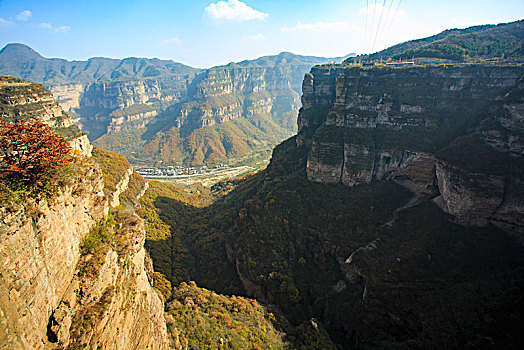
{"x": 289, "y": 241}
{"x": 204, "y": 319}
{"x": 485, "y": 42}
{"x": 113, "y": 166}
{"x": 32, "y": 157}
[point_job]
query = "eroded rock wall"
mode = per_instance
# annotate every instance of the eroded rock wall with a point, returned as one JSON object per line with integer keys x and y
{"x": 113, "y": 306}
{"x": 23, "y": 100}
{"x": 450, "y": 132}
{"x": 39, "y": 250}
{"x": 47, "y": 300}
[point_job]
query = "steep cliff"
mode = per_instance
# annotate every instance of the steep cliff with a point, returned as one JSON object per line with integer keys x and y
{"x": 22, "y": 100}
{"x": 40, "y": 245}
{"x": 230, "y": 112}
{"x": 72, "y": 275}
{"x": 152, "y": 110}
{"x": 450, "y": 132}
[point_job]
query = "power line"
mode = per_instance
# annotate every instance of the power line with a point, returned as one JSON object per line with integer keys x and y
{"x": 373, "y": 19}
{"x": 386, "y": 20}
{"x": 366, "y": 31}
{"x": 378, "y": 26}
{"x": 394, "y": 15}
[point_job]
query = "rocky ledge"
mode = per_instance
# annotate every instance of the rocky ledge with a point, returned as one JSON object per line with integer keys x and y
{"x": 454, "y": 133}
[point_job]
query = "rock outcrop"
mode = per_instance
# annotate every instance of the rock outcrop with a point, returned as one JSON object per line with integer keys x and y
{"x": 121, "y": 186}
{"x": 112, "y": 305}
{"x": 155, "y": 108}
{"x": 40, "y": 249}
{"x": 22, "y": 100}
{"x": 450, "y": 132}
{"x": 103, "y": 107}
{"x": 55, "y": 292}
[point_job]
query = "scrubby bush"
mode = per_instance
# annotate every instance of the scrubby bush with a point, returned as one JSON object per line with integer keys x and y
{"x": 31, "y": 153}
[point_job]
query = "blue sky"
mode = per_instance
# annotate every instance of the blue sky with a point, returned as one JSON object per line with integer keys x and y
{"x": 212, "y": 32}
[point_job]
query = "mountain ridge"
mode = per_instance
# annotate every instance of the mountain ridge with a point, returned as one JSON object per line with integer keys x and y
{"x": 502, "y": 41}
{"x": 22, "y": 51}
{"x": 222, "y": 113}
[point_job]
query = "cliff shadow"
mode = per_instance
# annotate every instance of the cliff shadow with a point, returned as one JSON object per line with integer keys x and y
{"x": 185, "y": 245}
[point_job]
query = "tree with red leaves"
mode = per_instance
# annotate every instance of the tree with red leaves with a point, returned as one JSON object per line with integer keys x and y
{"x": 30, "y": 150}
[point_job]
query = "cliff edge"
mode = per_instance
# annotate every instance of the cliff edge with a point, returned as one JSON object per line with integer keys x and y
{"x": 453, "y": 133}
{"x": 72, "y": 274}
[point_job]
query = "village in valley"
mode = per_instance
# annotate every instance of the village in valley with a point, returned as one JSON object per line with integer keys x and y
{"x": 179, "y": 171}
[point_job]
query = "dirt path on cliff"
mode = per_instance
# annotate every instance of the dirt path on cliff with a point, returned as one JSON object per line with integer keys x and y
{"x": 415, "y": 200}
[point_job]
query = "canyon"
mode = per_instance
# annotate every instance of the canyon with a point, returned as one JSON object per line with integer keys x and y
{"x": 154, "y": 110}
{"x": 392, "y": 219}
{"x": 432, "y": 148}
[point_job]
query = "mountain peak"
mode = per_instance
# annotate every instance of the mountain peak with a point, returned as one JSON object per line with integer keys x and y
{"x": 21, "y": 51}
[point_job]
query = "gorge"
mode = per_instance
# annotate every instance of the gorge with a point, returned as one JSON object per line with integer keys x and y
{"x": 392, "y": 219}
{"x": 154, "y": 110}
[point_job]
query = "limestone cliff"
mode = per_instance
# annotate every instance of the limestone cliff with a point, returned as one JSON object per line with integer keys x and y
{"x": 71, "y": 275}
{"x": 22, "y": 100}
{"x": 245, "y": 89}
{"x": 150, "y": 110}
{"x": 40, "y": 249}
{"x": 450, "y": 132}
{"x": 110, "y": 302}
{"x": 102, "y": 106}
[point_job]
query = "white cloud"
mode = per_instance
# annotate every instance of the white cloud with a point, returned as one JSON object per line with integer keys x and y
{"x": 234, "y": 10}
{"x": 318, "y": 27}
{"x": 62, "y": 29}
{"x": 5, "y": 22}
{"x": 45, "y": 25}
{"x": 175, "y": 40}
{"x": 256, "y": 37}
{"x": 24, "y": 15}
{"x": 49, "y": 26}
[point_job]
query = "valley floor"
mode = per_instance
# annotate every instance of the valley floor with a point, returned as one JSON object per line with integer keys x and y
{"x": 211, "y": 178}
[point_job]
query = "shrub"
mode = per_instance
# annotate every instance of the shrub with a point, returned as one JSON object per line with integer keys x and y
{"x": 30, "y": 150}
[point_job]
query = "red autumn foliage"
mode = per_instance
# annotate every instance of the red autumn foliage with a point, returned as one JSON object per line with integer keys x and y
{"x": 29, "y": 149}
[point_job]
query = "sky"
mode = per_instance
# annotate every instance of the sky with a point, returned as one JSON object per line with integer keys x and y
{"x": 205, "y": 33}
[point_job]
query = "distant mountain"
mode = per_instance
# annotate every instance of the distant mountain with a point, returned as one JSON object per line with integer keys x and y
{"x": 22, "y": 61}
{"x": 155, "y": 110}
{"x": 502, "y": 41}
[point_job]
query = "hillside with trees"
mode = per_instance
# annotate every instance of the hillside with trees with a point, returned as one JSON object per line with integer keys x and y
{"x": 486, "y": 42}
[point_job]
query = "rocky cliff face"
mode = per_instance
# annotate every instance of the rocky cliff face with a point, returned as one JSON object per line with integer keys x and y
{"x": 55, "y": 295}
{"x": 22, "y": 100}
{"x": 118, "y": 94}
{"x": 68, "y": 281}
{"x": 95, "y": 104}
{"x": 229, "y": 92}
{"x": 150, "y": 109}
{"x": 40, "y": 247}
{"x": 110, "y": 303}
{"x": 451, "y": 132}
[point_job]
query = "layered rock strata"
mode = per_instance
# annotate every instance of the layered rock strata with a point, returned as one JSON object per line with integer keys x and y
{"x": 22, "y": 100}
{"x": 53, "y": 293}
{"x": 450, "y": 132}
